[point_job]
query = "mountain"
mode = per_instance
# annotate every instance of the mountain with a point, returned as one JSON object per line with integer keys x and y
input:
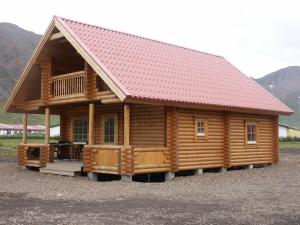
{"x": 285, "y": 85}
{"x": 16, "y": 46}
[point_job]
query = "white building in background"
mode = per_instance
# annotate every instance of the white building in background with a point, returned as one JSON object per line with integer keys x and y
{"x": 283, "y": 130}
{"x": 55, "y": 131}
{"x": 9, "y": 129}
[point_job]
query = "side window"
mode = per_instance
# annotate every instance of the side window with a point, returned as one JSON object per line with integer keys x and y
{"x": 200, "y": 128}
{"x": 110, "y": 129}
{"x": 80, "y": 132}
{"x": 251, "y": 132}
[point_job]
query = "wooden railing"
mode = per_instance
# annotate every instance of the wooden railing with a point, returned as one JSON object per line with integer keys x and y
{"x": 68, "y": 84}
{"x": 124, "y": 160}
{"x": 26, "y": 158}
{"x": 114, "y": 159}
{"x": 151, "y": 159}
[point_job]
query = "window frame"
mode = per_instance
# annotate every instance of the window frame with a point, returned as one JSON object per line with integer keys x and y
{"x": 201, "y": 135}
{"x": 73, "y": 128}
{"x": 251, "y": 142}
{"x": 109, "y": 116}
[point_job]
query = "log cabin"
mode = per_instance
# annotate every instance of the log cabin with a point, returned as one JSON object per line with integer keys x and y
{"x": 142, "y": 106}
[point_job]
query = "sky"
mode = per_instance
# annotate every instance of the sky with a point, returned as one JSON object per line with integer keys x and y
{"x": 258, "y": 37}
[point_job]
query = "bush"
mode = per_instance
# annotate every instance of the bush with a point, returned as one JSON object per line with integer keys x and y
{"x": 289, "y": 139}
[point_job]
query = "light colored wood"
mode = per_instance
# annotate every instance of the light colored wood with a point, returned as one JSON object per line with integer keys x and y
{"x": 91, "y": 123}
{"x": 24, "y": 135}
{"x": 91, "y": 61}
{"x": 47, "y": 125}
{"x": 126, "y": 125}
{"x": 56, "y": 36}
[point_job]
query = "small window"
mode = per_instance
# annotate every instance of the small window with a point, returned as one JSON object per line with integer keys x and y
{"x": 109, "y": 129}
{"x": 251, "y": 129}
{"x": 200, "y": 127}
{"x": 80, "y": 130}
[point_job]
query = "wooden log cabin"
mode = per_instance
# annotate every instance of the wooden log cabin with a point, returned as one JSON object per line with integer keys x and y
{"x": 143, "y": 106}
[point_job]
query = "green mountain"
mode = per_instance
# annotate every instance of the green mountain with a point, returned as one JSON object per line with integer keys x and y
{"x": 285, "y": 85}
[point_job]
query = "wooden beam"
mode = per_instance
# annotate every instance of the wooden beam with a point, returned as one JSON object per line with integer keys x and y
{"x": 47, "y": 125}
{"x": 25, "y": 121}
{"x": 56, "y": 36}
{"x": 91, "y": 123}
{"x": 126, "y": 125}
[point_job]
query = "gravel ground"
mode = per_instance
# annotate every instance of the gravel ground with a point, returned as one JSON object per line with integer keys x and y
{"x": 269, "y": 195}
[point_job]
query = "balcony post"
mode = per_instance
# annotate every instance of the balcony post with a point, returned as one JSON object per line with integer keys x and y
{"x": 47, "y": 125}
{"x": 126, "y": 125}
{"x": 24, "y": 137}
{"x": 91, "y": 123}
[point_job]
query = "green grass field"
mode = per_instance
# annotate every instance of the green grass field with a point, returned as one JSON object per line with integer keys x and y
{"x": 289, "y": 145}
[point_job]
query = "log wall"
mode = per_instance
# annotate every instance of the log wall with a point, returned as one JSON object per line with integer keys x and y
{"x": 200, "y": 152}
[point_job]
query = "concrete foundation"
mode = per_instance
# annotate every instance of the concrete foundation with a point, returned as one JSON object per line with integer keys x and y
{"x": 93, "y": 176}
{"x": 223, "y": 170}
{"x": 249, "y": 167}
{"x": 198, "y": 171}
{"x": 126, "y": 178}
{"x": 169, "y": 176}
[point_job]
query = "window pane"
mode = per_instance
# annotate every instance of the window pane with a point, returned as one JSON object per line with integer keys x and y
{"x": 109, "y": 128}
{"x": 80, "y": 130}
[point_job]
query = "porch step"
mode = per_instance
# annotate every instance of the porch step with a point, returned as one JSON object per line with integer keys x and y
{"x": 65, "y": 168}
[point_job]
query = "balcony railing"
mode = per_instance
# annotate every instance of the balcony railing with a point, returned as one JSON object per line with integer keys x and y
{"x": 67, "y": 84}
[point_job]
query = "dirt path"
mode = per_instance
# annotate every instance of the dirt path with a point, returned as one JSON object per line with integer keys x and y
{"x": 269, "y": 195}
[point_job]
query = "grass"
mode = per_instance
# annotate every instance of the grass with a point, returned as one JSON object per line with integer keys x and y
{"x": 289, "y": 145}
{"x": 8, "y": 147}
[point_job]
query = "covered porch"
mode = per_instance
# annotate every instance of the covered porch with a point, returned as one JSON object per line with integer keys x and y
{"x": 114, "y": 143}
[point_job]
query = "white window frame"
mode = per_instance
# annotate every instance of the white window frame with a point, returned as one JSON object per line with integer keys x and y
{"x": 253, "y": 131}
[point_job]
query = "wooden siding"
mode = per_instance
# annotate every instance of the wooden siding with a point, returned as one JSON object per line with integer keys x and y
{"x": 23, "y": 153}
{"x": 147, "y": 125}
{"x": 200, "y": 152}
{"x": 262, "y": 152}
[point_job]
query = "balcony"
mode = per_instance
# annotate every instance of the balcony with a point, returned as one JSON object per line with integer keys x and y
{"x": 67, "y": 85}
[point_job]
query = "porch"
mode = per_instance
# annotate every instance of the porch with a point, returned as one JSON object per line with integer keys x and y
{"x": 120, "y": 154}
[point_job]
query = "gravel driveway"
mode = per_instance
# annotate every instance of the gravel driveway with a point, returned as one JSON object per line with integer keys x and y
{"x": 269, "y": 195}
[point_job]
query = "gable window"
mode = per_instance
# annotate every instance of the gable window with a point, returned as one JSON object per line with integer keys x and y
{"x": 201, "y": 127}
{"x": 109, "y": 129}
{"x": 251, "y": 130}
{"x": 80, "y": 133}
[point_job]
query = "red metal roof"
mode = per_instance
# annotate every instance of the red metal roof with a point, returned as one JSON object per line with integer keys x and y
{"x": 148, "y": 69}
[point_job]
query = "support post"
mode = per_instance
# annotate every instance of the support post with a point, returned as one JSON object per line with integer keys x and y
{"x": 47, "y": 125}
{"x": 91, "y": 123}
{"x": 126, "y": 125}
{"x": 25, "y": 121}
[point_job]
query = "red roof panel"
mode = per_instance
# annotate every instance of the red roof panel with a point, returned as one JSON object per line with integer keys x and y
{"x": 148, "y": 69}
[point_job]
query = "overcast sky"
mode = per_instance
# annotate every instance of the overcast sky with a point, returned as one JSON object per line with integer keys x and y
{"x": 258, "y": 37}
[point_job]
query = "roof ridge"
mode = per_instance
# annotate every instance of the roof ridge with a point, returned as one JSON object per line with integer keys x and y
{"x": 138, "y": 36}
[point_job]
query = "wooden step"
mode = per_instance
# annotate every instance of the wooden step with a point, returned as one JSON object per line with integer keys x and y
{"x": 59, "y": 172}
{"x": 65, "y": 168}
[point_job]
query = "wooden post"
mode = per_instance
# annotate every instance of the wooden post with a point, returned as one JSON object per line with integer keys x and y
{"x": 126, "y": 125}
{"x": 47, "y": 125}
{"x": 91, "y": 123}
{"x": 24, "y": 139}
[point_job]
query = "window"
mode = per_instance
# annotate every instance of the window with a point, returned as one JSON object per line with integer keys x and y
{"x": 110, "y": 127}
{"x": 251, "y": 129}
{"x": 80, "y": 130}
{"x": 200, "y": 127}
